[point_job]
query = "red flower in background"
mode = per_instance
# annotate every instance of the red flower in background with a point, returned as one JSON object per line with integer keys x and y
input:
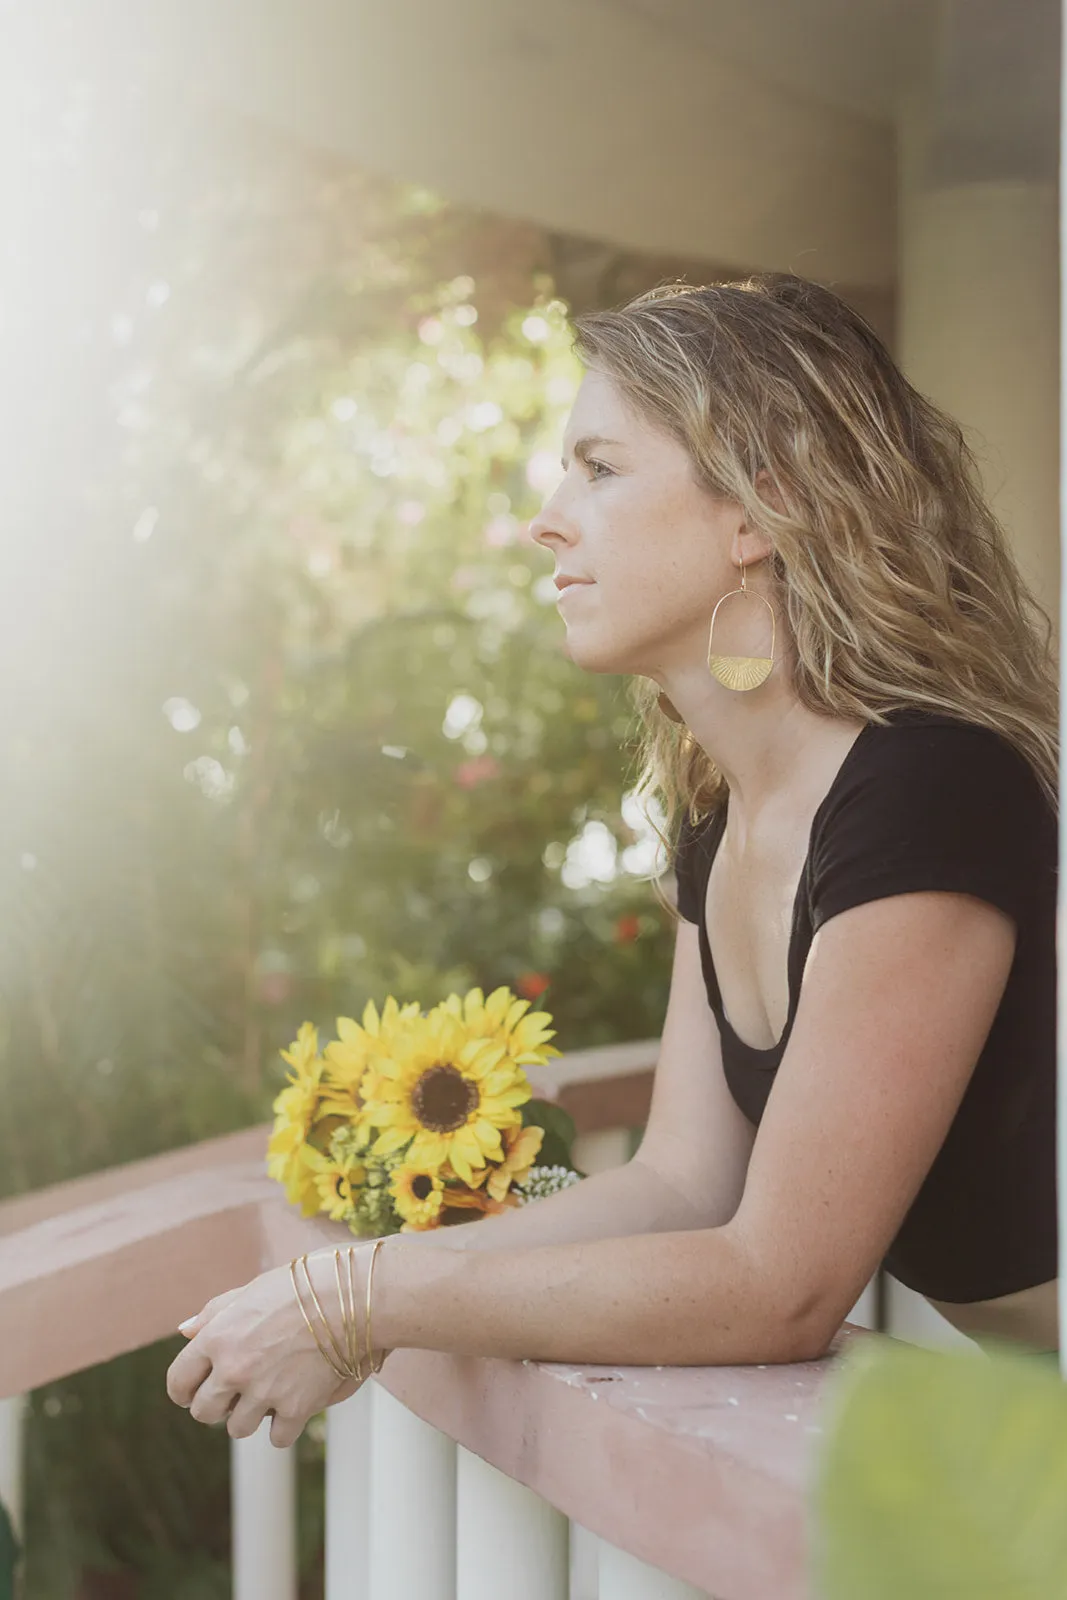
{"x": 627, "y": 929}
{"x": 532, "y": 985}
{"x": 470, "y": 773}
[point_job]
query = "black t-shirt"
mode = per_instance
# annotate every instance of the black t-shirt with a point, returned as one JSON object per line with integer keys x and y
{"x": 932, "y": 802}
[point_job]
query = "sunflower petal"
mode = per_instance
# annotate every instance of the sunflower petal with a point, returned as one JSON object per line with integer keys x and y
{"x": 391, "y": 1140}
{"x": 466, "y": 1144}
{"x": 428, "y": 1149}
{"x": 517, "y": 1096}
{"x": 496, "y": 1007}
{"x": 462, "y": 1168}
{"x": 515, "y": 1012}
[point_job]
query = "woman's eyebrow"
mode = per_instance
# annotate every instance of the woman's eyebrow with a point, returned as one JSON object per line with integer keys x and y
{"x": 583, "y": 446}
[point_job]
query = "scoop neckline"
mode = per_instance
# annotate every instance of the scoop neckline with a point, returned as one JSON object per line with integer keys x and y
{"x": 761, "y": 1055}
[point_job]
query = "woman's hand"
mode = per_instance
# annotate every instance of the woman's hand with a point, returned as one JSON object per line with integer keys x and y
{"x": 250, "y": 1355}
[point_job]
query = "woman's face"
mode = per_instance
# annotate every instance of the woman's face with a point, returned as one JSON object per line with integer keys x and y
{"x": 652, "y": 548}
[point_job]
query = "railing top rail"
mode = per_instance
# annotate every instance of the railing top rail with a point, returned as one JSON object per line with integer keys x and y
{"x": 75, "y": 1194}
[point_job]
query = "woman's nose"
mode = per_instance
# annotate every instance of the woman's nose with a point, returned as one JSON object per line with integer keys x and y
{"x": 549, "y": 523}
{"x": 538, "y": 527}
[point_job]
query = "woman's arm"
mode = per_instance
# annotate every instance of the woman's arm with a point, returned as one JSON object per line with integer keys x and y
{"x": 628, "y": 1200}
{"x": 609, "y": 1205}
{"x": 616, "y": 1268}
{"x": 667, "y": 1299}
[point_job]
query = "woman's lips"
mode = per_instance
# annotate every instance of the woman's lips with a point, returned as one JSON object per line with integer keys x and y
{"x": 569, "y": 588}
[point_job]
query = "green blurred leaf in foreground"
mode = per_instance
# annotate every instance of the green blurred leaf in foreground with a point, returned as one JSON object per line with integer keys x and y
{"x": 944, "y": 1473}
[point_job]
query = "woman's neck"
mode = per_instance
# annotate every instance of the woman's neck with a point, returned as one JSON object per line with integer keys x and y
{"x": 773, "y": 752}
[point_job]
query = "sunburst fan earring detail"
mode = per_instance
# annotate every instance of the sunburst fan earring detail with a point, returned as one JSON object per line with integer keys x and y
{"x": 740, "y": 672}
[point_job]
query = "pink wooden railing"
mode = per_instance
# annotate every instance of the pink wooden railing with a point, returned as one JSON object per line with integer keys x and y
{"x": 695, "y": 1477}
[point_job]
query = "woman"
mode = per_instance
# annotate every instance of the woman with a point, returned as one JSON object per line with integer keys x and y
{"x": 848, "y": 697}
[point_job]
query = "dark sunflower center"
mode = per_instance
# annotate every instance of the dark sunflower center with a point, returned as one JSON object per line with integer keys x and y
{"x": 443, "y": 1098}
{"x": 422, "y": 1186}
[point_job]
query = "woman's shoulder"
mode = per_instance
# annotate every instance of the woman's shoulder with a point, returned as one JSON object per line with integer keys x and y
{"x": 940, "y": 758}
{"x": 929, "y": 800}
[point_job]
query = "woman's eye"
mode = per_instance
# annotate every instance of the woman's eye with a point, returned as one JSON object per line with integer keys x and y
{"x": 593, "y": 464}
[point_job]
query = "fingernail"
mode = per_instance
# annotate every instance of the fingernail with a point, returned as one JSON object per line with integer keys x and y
{"x": 186, "y": 1324}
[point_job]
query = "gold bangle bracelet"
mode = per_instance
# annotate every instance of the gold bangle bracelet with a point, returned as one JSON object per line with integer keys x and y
{"x": 348, "y": 1316}
{"x": 377, "y": 1245}
{"x": 346, "y": 1372}
{"x": 352, "y": 1302}
{"x": 326, "y": 1356}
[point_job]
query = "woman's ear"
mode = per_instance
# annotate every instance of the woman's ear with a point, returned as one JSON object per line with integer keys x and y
{"x": 751, "y": 544}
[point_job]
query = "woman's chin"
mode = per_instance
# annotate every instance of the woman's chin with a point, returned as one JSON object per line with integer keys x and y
{"x": 590, "y": 654}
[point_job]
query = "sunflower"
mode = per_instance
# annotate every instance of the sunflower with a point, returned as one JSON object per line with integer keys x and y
{"x": 521, "y": 1147}
{"x": 296, "y": 1109}
{"x": 503, "y": 1017}
{"x": 297, "y": 1178}
{"x": 452, "y": 1081}
{"x": 418, "y": 1194}
{"x": 350, "y": 1079}
{"x": 337, "y": 1183}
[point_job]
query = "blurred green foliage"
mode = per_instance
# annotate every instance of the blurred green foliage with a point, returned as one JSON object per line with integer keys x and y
{"x": 286, "y": 721}
{"x": 944, "y": 1473}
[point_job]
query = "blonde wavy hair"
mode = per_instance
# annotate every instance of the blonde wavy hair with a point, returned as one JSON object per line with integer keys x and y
{"x": 893, "y": 578}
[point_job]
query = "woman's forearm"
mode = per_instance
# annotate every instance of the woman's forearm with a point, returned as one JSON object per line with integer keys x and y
{"x": 620, "y": 1268}
{"x": 625, "y": 1200}
{"x": 692, "y": 1298}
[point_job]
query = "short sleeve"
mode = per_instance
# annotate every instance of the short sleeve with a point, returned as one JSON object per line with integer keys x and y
{"x": 943, "y": 805}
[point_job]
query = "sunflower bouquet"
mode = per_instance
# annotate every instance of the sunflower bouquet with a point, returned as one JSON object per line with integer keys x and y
{"x": 407, "y": 1122}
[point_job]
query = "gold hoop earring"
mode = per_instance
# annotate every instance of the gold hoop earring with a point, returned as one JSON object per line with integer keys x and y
{"x": 740, "y": 672}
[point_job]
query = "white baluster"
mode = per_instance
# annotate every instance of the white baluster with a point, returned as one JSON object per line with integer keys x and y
{"x": 623, "y": 1577}
{"x": 12, "y": 1423}
{"x": 865, "y": 1308}
{"x": 508, "y": 1540}
{"x": 263, "y": 1504}
{"x": 412, "y": 1505}
{"x": 585, "y": 1563}
{"x": 348, "y": 1468}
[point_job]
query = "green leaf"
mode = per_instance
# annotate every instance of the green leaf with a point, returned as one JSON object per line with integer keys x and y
{"x": 944, "y": 1474}
{"x": 9, "y": 1555}
{"x": 559, "y": 1132}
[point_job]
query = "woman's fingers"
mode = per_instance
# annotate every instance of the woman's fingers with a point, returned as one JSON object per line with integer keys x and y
{"x": 285, "y": 1431}
{"x": 192, "y": 1325}
{"x": 213, "y": 1400}
{"x": 246, "y": 1416}
{"x": 186, "y": 1373}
